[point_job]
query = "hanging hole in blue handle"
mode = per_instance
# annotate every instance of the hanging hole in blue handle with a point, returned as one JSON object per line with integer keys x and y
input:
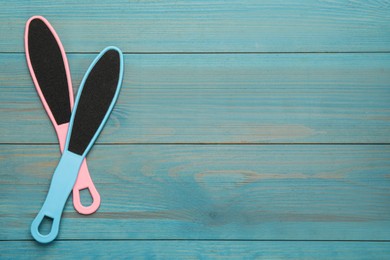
{"x": 45, "y": 226}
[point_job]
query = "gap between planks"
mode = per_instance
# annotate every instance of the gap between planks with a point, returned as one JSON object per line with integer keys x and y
{"x": 229, "y": 53}
{"x": 259, "y": 144}
{"x": 216, "y": 240}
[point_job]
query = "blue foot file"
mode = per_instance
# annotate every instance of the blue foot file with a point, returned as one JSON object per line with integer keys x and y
{"x": 95, "y": 100}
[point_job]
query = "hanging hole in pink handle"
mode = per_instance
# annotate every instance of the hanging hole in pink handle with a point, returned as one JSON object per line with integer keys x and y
{"x": 93, "y": 198}
{"x": 85, "y": 197}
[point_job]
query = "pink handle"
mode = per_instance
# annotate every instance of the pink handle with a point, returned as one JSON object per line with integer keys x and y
{"x": 84, "y": 181}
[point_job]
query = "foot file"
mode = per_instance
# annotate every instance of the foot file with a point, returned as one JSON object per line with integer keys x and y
{"x": 49, "y": 70}
{"x": 95, "y": 100}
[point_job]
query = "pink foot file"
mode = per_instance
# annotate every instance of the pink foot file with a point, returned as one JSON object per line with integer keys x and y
{"x": 49, "y": 69}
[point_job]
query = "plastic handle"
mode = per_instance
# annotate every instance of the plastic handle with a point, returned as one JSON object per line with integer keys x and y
{"x": 61, "y": 185}
{"x": 84, "y": 181}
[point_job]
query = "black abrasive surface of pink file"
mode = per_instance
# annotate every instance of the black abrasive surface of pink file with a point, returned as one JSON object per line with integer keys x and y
{"x": 48, "y": 64}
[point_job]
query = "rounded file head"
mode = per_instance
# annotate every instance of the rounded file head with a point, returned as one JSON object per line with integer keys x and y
{"x": 49, "y": 68}
{"x": 100, "y": 87}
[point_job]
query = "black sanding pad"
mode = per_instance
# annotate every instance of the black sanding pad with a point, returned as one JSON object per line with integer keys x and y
{"x": 97, "y": 95}
{"x": 49, "y": 68}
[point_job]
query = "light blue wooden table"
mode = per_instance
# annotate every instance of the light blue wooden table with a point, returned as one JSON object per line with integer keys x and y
{"x": 245, "y": 130}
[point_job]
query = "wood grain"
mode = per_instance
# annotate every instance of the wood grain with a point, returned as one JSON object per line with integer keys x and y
{"x": 287, "y": 98}
{"x": 280, "y": 192}
{"x": 206, "y": 25}
{"x": 198, "y": 250}
{"x": 245, "y": 130}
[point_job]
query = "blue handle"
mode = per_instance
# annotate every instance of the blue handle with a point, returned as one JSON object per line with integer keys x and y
{"x": 61, "y": 185}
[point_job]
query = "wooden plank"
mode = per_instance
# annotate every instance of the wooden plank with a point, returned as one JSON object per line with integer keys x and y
{"x": 206, "y": 25}
{"x": 289, "y": 98}
{"x": 196, "y": 250}
{"x": 293, "y": 192}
